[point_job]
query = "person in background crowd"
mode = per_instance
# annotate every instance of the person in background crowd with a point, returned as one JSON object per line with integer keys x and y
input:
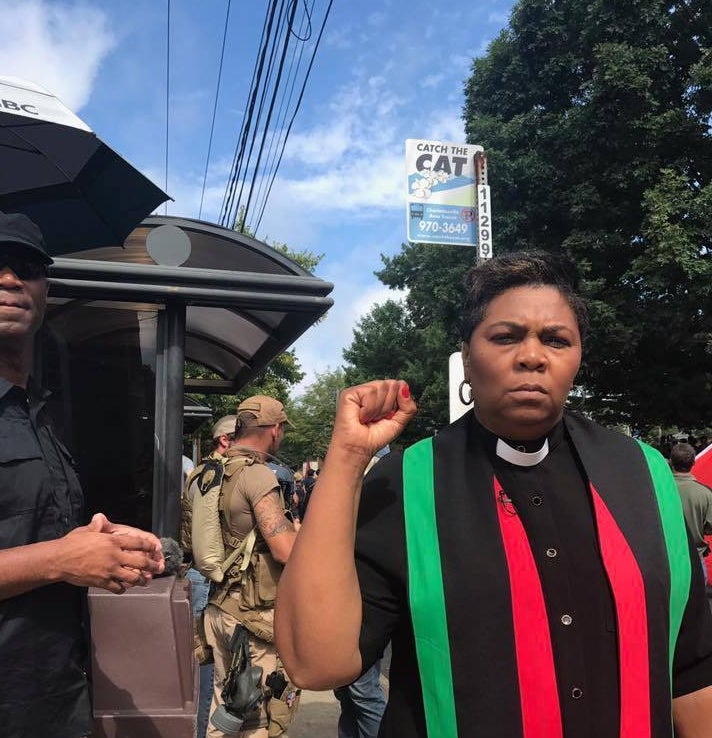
{"x": 309, "y": 482}
{"x": 47, "y": 558}
{"x": 696, "y": 499}
{"x": 532, "y": 568}
{"x": 285, "y": 477}
{"x": 362, "y": 705}
{"x": 188, "y": 466}
{"x": 297, "y": 499}
{"x": 223, "y": 433}
{"x": 255, "y": 503}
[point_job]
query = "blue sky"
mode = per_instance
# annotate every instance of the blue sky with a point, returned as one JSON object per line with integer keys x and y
{"x": 385, "y": 71}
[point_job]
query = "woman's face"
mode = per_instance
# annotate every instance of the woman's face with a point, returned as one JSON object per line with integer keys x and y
{"x": 521, "y": 361}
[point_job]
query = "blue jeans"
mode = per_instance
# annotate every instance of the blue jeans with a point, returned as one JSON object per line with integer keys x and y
{"x": 362, "y": 705}
{"x": 200, "y": 591}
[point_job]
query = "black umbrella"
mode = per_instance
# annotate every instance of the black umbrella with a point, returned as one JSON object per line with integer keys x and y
{"x": 54, "y": 169}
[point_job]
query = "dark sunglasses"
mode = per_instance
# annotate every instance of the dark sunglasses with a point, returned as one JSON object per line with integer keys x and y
{"x": 23, "y": 267}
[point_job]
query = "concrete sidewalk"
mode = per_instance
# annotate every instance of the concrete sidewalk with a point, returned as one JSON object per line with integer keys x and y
{"x": 318, "y": 713}
{"x": 317, "y": 716}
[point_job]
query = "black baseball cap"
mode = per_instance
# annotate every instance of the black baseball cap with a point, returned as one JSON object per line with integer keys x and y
{"x": 18, "y": 229}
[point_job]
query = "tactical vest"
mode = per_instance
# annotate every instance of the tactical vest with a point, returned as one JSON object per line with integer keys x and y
{"x": 231, "y": 563}
{"x": 205, "y": 473}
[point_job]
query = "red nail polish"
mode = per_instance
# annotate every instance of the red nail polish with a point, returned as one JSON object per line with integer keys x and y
{"x": 405, "y": 391}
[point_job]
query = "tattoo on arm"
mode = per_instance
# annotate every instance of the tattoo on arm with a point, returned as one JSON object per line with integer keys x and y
{"x": 270, "y": 516}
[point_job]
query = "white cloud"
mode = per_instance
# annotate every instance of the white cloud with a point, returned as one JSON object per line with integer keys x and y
{"x": 348, "y": 161}
{"x": 376, "y": 182}
{"x": 362, "y": 179}
{"x": 358, "y": 123}
{"x": 320, "y": 349}
{"x": 500, "y": 17}
{"x": 446, "y": 125}
{"x": 432, "y": 80}
{"x": 340, "y": 38}
{"x": 371, "y": 297}
{"x": 321, "y": 145}
{"x": 355, "y": 163}
{"x": 58, "y": 46}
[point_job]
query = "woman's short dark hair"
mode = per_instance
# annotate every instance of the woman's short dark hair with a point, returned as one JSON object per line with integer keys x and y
{"x": 491, "y": 278}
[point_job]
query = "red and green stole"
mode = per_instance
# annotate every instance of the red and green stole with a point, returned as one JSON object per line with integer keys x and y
{"x": 474, "y": 590}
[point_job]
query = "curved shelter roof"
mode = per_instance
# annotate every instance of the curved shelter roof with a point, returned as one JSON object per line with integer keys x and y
{"x": 245, "y": 301}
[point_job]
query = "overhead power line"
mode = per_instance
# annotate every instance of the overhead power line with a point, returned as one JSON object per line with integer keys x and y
{"x": 215, "y": 107}
{"x": 262, "y": 132}
{"x": 258, "y": 127}
{"x": 294, "y": 115}
{"x": 227, "y": 215}
{"x": 168, "y": 81}
{"x": 256, "y": 168}
{"x": 278, "y": 130}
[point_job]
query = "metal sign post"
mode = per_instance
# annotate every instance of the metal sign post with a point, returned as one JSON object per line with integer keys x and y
{"x": 484, "y": 208}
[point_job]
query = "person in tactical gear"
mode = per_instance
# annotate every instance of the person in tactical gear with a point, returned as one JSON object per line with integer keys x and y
{"x": 223, "y": 433}
{"x": 252, "y": 509}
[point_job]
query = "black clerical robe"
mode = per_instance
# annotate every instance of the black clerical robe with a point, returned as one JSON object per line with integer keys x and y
{"x": 477, "y": 615}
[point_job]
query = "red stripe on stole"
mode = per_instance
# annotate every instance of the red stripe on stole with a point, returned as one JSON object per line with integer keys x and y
{"x": 541, "y": 714}
{"x": 629, "y": 596}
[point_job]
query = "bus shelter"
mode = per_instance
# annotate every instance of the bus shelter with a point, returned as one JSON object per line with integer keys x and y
{"x": 120, "y": 324}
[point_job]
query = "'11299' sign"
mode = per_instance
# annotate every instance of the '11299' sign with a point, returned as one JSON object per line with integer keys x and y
{"x": 441, "y": 198}
{"x": 484, "y": 222}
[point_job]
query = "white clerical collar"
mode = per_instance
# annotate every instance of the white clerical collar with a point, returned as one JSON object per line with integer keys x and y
{"x": 521, "y": 458}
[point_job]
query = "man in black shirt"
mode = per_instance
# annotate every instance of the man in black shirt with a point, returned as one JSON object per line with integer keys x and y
{"x": 46, "y": 557}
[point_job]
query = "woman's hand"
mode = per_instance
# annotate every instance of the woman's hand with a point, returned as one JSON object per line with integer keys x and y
{"x": 370, "y": 416}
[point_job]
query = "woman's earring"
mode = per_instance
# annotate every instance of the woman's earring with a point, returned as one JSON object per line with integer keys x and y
{"x": 460, "y": 393}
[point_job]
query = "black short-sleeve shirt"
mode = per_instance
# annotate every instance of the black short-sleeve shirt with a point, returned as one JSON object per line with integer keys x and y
{"x": 42, "y": 632}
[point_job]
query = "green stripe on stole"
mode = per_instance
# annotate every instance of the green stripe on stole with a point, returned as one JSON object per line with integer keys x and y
{"x": 426, "y": 591}
{"x": 676, "y": 544}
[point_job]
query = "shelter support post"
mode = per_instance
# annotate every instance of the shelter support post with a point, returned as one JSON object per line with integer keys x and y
{"x": 168, "y": 437}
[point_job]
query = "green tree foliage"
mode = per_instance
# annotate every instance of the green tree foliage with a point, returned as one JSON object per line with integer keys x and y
{"x": 313, "y": 417}
{"x": 596, "y": 120}
{"x": 381, "y": 345}
{"x": 306, "y": 259}
{"x": 412, "y": 339}
{"x": 276, "y": 381}
{"x": 434, "y": 278}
